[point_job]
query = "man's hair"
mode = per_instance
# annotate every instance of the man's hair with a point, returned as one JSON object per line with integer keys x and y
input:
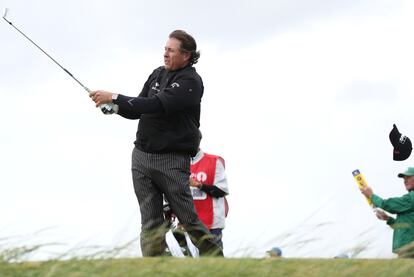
{"x": 188, "y": 44}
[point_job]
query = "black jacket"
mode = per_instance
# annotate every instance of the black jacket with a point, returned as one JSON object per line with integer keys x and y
{"x": 169, "y": 111}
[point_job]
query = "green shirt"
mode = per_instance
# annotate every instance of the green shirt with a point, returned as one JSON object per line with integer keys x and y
{"x": 403, "y": 224}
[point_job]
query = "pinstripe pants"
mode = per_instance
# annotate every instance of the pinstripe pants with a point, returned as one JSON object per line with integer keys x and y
{"x": 155, "y": 175}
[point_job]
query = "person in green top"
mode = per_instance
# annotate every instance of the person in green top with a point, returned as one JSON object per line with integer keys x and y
{"x": 403, "y": 207}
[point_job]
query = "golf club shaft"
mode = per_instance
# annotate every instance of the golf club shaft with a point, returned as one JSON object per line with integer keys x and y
{"x": 105, "y": 108}
{"x": 64, "y": 69}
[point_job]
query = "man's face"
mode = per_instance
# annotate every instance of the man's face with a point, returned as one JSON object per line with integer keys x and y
{"x": 174, "y": 58}
{"x": 409, "y": 182}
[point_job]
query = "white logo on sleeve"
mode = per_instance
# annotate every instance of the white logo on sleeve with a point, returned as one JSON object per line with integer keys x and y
{"x": 175, "y": 85}
{"x": 156, "y": 87}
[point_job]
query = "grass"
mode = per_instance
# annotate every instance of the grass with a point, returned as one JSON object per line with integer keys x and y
{"x": 18, "y": 261}
{"x": 169, "y": 266}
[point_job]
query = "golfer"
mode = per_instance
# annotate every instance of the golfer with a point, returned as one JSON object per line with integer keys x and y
{"x": 168, "y": 109}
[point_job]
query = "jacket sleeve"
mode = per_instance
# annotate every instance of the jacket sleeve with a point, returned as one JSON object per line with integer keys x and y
{"x": 396, "y": 204}
{"x": 133, "y": 107}
{"x": 220, "y": 187}
{"x": 391, "y": 221}
{"x": 213, "y": 191}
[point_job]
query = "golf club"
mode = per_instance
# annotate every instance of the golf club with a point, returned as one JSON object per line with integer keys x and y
{"x": 105, "y": 108}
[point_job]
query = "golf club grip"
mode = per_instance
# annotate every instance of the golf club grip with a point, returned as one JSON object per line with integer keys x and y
{"x": 107, "y": 108}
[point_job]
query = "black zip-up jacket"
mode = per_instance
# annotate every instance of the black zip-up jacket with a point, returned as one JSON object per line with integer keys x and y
{"x": 169, "y": 111}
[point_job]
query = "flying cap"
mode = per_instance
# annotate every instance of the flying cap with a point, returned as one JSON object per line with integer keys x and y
{"x": 408, "y": 172}
{"x": 402, "y": 145}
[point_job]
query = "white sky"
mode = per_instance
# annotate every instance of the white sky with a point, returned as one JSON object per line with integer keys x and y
{"x": 298, "y": 94}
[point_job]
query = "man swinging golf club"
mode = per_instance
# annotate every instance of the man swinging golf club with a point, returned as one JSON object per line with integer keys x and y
{"x": 168, "y": 109}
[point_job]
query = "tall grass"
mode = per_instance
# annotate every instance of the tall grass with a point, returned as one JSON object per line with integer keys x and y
{"x": 102, "y": 261}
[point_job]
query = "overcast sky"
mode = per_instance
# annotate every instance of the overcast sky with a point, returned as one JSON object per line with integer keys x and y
{"x": 298, "y": 94}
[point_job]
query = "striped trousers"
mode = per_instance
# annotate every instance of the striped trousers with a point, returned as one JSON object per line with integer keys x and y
{"x": 158, "y": 175}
